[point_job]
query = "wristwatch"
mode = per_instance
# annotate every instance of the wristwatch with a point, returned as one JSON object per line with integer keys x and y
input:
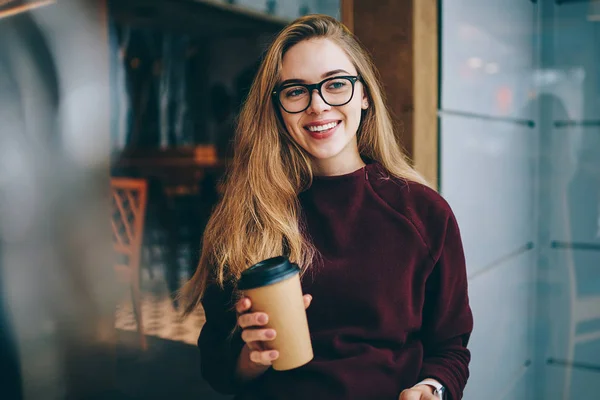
{"x": 438, "y": 388}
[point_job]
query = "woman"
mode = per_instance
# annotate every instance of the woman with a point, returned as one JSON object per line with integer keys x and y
{"x": 318, "y": 175}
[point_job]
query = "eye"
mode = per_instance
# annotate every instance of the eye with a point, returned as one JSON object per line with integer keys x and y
{"x": 337, "y": 84}
{"x": 295, "y": 91}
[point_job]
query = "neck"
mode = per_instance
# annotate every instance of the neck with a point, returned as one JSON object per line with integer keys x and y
{"x": 334, "y": 166}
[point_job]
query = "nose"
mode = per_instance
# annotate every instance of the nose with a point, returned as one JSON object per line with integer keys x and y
{"x": 317, "y": 104}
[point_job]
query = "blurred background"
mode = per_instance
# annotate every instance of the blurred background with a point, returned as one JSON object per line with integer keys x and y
{"x": 115, "y": 125}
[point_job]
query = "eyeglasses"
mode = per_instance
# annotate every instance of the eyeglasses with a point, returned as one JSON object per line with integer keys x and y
{"x": 296, "y": 97}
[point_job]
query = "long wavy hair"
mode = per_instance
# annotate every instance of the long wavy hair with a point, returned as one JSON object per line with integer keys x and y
{"x": 259, "y": 214}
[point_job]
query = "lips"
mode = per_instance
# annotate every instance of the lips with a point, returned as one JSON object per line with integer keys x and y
{"x": 322, "y": 129}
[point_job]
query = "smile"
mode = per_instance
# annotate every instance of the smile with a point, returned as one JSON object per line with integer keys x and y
{"x": 321, "y": 128}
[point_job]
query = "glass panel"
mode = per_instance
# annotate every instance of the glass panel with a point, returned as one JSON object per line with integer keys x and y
{"x": 520, "y": 163}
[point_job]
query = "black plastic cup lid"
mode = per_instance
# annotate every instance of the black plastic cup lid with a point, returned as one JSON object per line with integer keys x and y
{"x": 267, "y": 272}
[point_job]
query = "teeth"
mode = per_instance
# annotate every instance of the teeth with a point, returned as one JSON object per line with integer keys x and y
{"x": 322, "y": 127}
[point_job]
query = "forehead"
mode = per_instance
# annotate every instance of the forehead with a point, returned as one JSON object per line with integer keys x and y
{"x": 310, "y": 59}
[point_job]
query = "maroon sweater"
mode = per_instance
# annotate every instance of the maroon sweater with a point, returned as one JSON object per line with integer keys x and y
{"x": 390, "y": 304}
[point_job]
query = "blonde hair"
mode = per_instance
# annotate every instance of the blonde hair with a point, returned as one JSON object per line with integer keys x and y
{"x": 258, "y": 217}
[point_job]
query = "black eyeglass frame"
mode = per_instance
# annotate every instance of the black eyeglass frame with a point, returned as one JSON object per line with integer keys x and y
{"x": 311, "y": 88}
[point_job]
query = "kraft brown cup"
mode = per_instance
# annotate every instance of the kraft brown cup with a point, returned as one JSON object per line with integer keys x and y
{"x": 273, "y": 287}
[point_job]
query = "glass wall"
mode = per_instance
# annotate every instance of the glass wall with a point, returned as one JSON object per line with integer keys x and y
{"x": 520, "y": 165}
{"x": 569, "y": 228}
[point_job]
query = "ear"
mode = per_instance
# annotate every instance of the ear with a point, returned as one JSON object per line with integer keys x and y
{"x": 365, "y": 101}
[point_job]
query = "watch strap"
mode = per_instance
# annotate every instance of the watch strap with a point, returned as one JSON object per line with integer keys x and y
{"x": 438, "y": 388}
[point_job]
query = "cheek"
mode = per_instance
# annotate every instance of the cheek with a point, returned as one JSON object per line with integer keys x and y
{"x": 354, "y": 114}
{"x": 291, "y": 123}
{"x": 285, "y": 118}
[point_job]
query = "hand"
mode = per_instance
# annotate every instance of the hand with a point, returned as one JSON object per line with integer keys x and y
{"x": 255, "y": 335}
{"x": 419, "y": 392}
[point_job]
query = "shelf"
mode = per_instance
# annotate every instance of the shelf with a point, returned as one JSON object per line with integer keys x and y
{"x": 197, "y": 18}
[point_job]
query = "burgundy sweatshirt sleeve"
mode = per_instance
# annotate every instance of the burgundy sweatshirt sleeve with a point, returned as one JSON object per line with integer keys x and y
{"x": 447, "y": 317}
{"x": 219, "y": 349}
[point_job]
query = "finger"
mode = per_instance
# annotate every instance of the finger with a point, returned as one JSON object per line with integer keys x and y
{"x": 307, "y": 300}
{"x": 264, "y": 357}
{"x": 243, "y": 305}
{"x": 252, "y": 319}
{"x": 258, "y": 335}
{"x": 410, "y": 394}
{"x": 256, "y": 346}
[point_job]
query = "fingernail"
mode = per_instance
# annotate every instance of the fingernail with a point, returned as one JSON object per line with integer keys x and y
{"x": 273, "y": 355}
{"x": 263, "y": 318}
{"x": 270, "y": 334}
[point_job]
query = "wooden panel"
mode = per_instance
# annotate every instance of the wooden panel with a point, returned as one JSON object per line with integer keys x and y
{"x": 402, "y": 38}
{"x": 347, "y": 13}
{"x": 385, "y": 28}
{"x": 426, "y": 89}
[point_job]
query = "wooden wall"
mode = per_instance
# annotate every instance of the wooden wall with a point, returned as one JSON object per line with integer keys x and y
{"x": 402, "y": 36}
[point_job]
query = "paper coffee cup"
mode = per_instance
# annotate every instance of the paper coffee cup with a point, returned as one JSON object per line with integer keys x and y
{"x": 273, "y": 287}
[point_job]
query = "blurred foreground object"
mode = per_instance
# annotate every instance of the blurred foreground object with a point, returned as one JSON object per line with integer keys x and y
{"x": 54, "y": 198}
{"x": 10, "y": 8}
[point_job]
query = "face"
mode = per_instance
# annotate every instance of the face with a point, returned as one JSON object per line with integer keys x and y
{"x": 327, "y": 133}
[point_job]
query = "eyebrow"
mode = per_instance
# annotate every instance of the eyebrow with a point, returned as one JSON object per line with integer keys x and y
{"x": 324, "y": 76}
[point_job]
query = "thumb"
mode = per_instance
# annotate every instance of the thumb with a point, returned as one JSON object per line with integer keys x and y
{"x": 410, "y": 394}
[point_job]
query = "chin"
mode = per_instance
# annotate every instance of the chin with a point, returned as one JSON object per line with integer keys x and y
{"x": 325, "y": 153}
